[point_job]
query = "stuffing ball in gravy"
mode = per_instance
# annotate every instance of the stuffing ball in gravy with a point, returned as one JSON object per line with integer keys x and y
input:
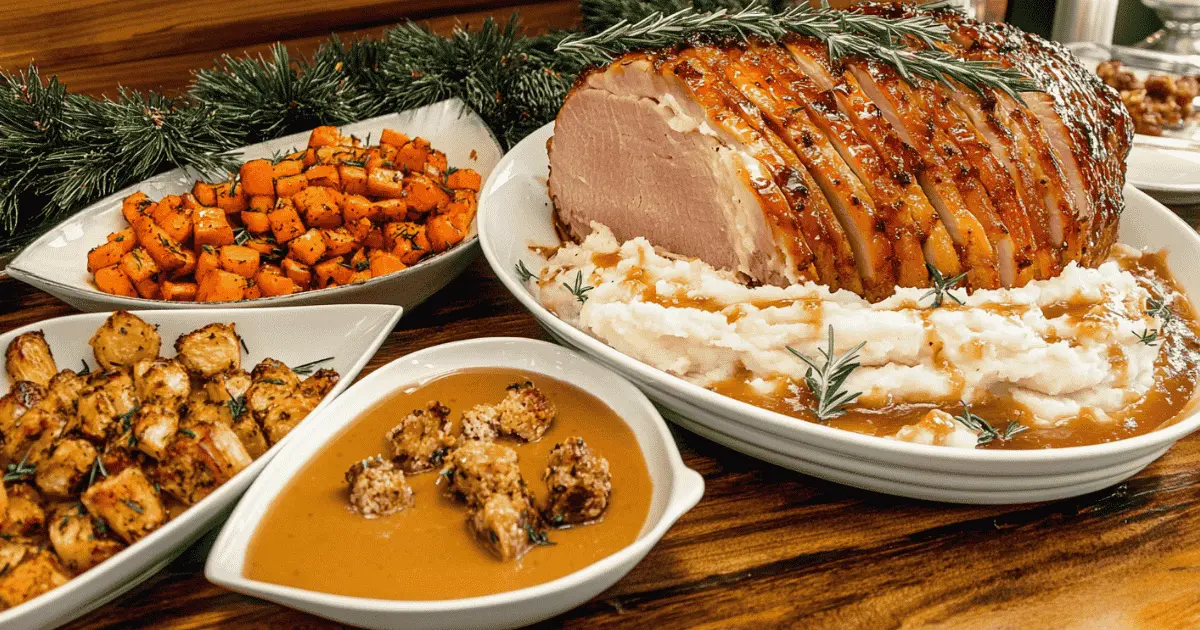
{"x": 524, "y": 413}
{"x": 98, "y": 460}
{"x": 579, "y": 484}
{"x": 422, "y": 439}
{"x": 378, "y": 488}
{"x": 478, "y": 470}
{"x": 507, "y": 524}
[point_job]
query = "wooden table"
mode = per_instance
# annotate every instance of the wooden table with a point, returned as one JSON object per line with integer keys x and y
{"x": 766, "y": 547}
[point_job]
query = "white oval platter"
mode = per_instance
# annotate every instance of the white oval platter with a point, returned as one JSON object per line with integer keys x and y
{"x": 676, "y": 490}
{"x": 56, "y": 262}
{"x": 515, "y": 212}
{"x": 349, "y": 333}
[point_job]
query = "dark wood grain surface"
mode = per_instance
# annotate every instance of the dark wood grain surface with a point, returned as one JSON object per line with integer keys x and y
{"x": 766, "y": 547}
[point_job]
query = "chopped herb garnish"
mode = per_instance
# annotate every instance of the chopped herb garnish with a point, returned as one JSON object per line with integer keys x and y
{"x": 133, "y": 505}
{"x": 237, "y": 406}
{"x": 243, "y": 342}
{"x": 825, "y": 381}
{"x": 127, "y": 418}
{"x": 1160, "y": 309}
{"x": 358, "y": 163}
{"x": 579, "y": 290}
{"x": 1148, "y": 337}
{"x": 523, "y": 272}
{"x": 362, "y": 265}
{"x": 86, "y": 368}
{"x": 97, "y": 466}
{"x": 308, "y": 368}
{"x": 240, "y": 236}
{"x": 21, "y": 470}
{"x": 942, "y": 286}
{"x": 273, "y": 381}
{"x": 987, "y": 432}
{"x": 188, "y": 432}
{"x": 536, "y": 537}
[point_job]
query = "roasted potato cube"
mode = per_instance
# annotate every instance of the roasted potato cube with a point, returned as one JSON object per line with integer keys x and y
{"x": 507, "y": 525}
{"x": 127, "y": 503}
{"x": 283, "y": 416}
{"x": 36, "y": 573}
{"x": 154, "y": 427}
{"x": 123, "y": 340}
{"x": 23, "y": 396}
{"x": 24, "y": 517}
{"x": 108, "y": 397}
{"x": 579, "y": 484}
{"x": 319, "y": 384}
{"x": 35, "y": 433}
{"x": 65, "y": 470}
{"x": 11, "y": 554}
{"x": 226, "y": 386}
{"x": 378, "y": 488}
{"x": 251, "y": 435}
{"x": 210, "y": 350}
{"x": 161, "y": 380}
{"x": 79, "y": 539}
{"x": 200, "y": 411}
{"x": 422, "y": 439}
{"x": 65, "y": 389}
{"x": 477, "y": 470}
{"x": 28, "y": 358}
{"x": 273, "y": 382}
{"x": 200, "y": 459}
{"x": 481, "y": 423}
{"x": 525, "y": 412}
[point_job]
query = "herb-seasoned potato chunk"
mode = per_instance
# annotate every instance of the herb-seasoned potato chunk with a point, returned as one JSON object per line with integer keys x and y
{"x": 210, "y": 350}
{"x": 422, "y": 439}
{"x": 28, "y": 358}
{"x": 251, "y": 435}
{"x": 226, "y": 386}
{"x": 319, "y": 384}
{"x": 161, "y": 380}
{"x": 200, "y": 459}
{"x": 23, "y": 396}
{"x": 284, "y": 416}
{"x": 64, "y": 389}
{"x": 37, "y": 572}
{"x": 128, "y": 504}
{"x": 67, "y": 467}
{"x": 477, "y": 470}
{"x": 108, "y": 398}
{"x": 272, "y": 383}
{"x": 378, "y": 488}
{"x": 123, "y": 340}
{"x": 35, "y": 433}
{"x": 154, "y": 427}
{"x": 579, "y": 484}
{"x": 79, "y": 539}
{"x": 507, "y": 525}
{"x": 24, "y": 517}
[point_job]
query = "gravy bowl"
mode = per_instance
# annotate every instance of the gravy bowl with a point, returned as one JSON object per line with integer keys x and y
{"x": 676, "y": 490}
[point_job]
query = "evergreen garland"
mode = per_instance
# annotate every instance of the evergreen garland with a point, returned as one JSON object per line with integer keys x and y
{"x": 61, "y": 151}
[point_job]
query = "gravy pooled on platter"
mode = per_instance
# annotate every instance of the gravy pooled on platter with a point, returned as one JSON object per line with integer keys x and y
{"x": 310, "y": 537}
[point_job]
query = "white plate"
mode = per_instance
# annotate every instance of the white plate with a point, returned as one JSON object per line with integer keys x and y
{"x": 676, "y": 490}
{"x": 350, "y": 334}
{"x": 57, "y": 261}
{"x": 515, "y": 211}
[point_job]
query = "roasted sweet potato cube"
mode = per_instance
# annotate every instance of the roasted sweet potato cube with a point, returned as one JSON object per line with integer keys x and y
{"x": 393, "y": 137}
{"x": 353, "y": 179}
{"x": 147, "y": 288}
{"x": 443, "y": 234}
{"x": 136, "y": 205}
{"x": 258, "y": 177}
{"x": 286, "y": 187}
{"x": 188, "y": 267}
{"x": 178, "y": 291}
{"x": 166, "y": 251}
{"x": 355, "y": 207}
{"x": 323, "y": 175}
{"x": 219, "y": 285}
{"x": 319, "y": 207}
{"x": 289, "y": 167}
{"x": 138, "y": 265}
{"x": 256, "y": 222}
{"x": 261, "y": 203}
{"x": 239, "y": 259}
{"x": 388, "y": 210}
{"x": 436, "y": 165}
{"x": 338, "y": 241}
{"x": 174, "y": 219}
{"x": 361, "y": 229}
{"x": 424, "y": 194}
{"x": 231, "y": 197}
{"x": 414, "y": 248}
{"x": 325, "y": 136}
{"x": 212, "y": 227}
{"x": 411, "y": 157}
{"x": 271, "y": 281}
{"x": 285, "y": 222}
{"x": 383, "y": 263}
{"x": 206, "y": 261}
{"x": 298, "y": 272}
{"x": 205, "y": 193}
{"x": 128, "y": 504}
{"x": 113, "y": 281}
{"x": 307, "y": 248}
{"x": 334, "y": 271}
{"x": 109, "y": 253}
{"x": 464, "y": 178}
{"x": 385, "y": 182}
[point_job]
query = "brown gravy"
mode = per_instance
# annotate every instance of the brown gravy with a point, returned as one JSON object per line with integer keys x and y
{"x": 1171, "y": 397}
{"x": 310, "y": 539}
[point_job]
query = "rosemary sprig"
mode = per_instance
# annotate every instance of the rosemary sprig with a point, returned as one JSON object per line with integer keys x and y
{"x": 310, "y": 367}
{"x": 21, "y": 470}
{"x": 1160, "y": 309}
{"x": 523, "y": 272}
{"x": 825, "y": 381}
{"x": 97, "y": 466}
{"x": 1148, "y": 337}
{"x": 87, "y": 369}
{"x": 579, "y": 290}
{"x": 941, "y": 286}
{"x": 537, "y": 538}
{"x": 987, "y": 432}
{"x": 237, "y": 406}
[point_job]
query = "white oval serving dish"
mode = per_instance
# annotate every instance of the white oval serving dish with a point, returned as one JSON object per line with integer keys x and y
{"x": 676, "y": 490}
{"x": 349, "y": 333}
{"x": 515, "y": 212}
{"x": 57, "y": 261}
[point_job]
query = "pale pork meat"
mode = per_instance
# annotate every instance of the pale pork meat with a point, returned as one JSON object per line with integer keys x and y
{"x": 771, "y": 160}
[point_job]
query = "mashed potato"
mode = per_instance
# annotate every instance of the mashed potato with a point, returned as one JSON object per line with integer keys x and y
{"x": 1059, "y": 347}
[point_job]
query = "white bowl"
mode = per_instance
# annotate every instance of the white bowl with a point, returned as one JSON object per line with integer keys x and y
{"x": 676, "y": 490}
{"x": 57, "y": 261}
{"x": 515, "y": 212}
{"x": 350, "y": 334}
